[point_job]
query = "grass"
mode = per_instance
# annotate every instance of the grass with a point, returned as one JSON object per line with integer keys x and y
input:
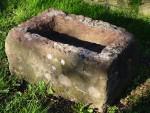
{"x": 20, "y": 97}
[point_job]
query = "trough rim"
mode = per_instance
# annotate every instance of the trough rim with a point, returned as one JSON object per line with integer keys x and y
{"x": 108, "y": 54}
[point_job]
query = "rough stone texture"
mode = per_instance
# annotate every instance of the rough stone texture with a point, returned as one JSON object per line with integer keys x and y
{"x": 83, "y": 59}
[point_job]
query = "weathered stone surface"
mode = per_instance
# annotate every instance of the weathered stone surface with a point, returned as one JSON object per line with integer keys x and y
{"x": 83, "y": 59}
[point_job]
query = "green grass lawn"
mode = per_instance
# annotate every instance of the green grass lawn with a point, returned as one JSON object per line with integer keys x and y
{"x": 17, "y": 96}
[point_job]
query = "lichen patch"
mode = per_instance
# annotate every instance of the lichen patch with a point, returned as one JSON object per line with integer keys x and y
{"x": 94, "y": 92}
{"x": 53, "y": 68}
{"x": 64, "y": 80}
{"x": 55, "y": 60}
{"x": 47, "y": 76}
{"x": 62, "y": 61}
{"x": 49, "y": 56}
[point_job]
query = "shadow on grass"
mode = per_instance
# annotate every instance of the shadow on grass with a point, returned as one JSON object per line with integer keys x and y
{"x": 3, "y": 4}
{"x": 142, "y": 106}
{"x": 7, "y": 6}
{"x": 140, "y": 28}
{"x": 141, "y": 31}
{"x": 59, "y": 105}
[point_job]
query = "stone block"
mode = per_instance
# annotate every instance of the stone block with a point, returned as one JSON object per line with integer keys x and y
{"x": 83, "y": 59}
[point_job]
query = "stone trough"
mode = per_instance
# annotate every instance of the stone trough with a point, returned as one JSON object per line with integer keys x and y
{"x": 83, "y": 59}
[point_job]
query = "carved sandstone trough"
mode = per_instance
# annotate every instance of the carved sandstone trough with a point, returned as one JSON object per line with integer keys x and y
{"x": 83, "y": 59}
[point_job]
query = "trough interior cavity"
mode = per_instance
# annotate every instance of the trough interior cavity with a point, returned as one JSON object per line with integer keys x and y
{"x": 72, "y": 32}
{"x": 63, "y": 38}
